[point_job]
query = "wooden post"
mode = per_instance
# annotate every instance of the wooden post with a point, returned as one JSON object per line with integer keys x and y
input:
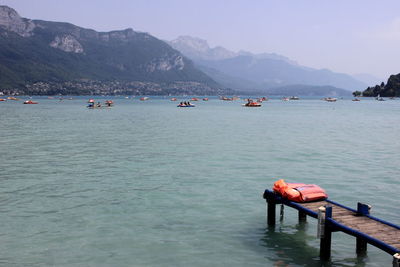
{"x": 396, "y": 260}
{"x": 361, "y": 244}
{"x": 302, "y": 216}
{"x": 271, "y": 212}
{"x": 363, "y": 209}
{"x": 326, "y": 232}
{"x": 271, "y": 207}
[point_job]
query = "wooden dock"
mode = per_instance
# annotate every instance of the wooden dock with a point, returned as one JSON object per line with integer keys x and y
{"x": 334, "y": 217}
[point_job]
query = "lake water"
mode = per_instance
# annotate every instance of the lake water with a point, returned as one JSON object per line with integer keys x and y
{"x": 148, "y": 184}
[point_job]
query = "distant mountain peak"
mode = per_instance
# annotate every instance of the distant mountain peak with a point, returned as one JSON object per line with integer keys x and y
{"x": 10, "y": 20}
{"x": 197, "y": 48}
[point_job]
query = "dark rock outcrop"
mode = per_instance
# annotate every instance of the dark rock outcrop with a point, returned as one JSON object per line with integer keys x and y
{"x": 391, "y": 89}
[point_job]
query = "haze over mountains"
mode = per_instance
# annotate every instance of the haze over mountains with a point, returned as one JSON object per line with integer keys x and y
{"x": 245, "y": 70}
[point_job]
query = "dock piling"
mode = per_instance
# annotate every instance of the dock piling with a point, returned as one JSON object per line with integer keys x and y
{"x": 302, "y": 216}
{"x": 396, "y": 260}
{"x": 271, "y": 209}
{"x": 325, "y": 232}
{"x": 363, "y": 209}
{"x": 361, "y": 244}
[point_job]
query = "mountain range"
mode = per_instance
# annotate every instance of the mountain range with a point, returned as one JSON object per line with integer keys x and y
{"x": 44, "y": 57}
{"x": 34, "y": 52}
{"x": 247, "y": 71}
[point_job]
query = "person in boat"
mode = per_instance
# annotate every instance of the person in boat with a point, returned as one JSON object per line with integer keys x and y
{"x": 98, "y": 105}
{"x": 181, "y": 104}
{"x": 188, "y": 103}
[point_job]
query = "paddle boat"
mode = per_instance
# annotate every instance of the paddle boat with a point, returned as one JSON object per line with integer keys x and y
{"x": 30, "y": 102}
{"x": 251, "y": 103}
{"x": 2, "y": 99}
{"x": 109, "y": 103}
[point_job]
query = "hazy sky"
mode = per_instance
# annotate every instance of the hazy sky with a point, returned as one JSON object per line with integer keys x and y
{"x": 351, "y": 36}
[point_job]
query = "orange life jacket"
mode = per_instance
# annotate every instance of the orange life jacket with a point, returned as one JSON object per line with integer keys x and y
{"x": 299, "y": 192}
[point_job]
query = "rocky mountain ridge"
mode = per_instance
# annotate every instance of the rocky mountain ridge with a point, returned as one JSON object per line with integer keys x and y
{"x": 34, "y": 51}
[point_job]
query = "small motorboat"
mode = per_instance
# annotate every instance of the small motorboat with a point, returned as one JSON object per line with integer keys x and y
{"x": 2, "y": 99}
{"x": 355, "y": 99}
{"x": 194, "y": 99}
{"x": 12, "y": 98}
{"x": 205, "y": 99}
{"x": 144, "y": 98}
{"x": 330, "y": 99}
{"x": 30, "y": 102}
{"x": 173, "y": 99}
{"x": 294, "y": 98}
{"x": 285, "y": 99}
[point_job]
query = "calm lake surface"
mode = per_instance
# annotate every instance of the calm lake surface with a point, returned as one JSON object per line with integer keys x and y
{"x": 148, "y": 184}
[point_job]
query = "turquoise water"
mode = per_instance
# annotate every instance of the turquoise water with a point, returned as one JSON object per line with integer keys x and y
{"x": 148, "y": 184}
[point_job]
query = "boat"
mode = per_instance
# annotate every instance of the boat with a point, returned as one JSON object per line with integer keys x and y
{"x": 30, "y": 102}
{"x": 109, "y": 103}
{"x": 355, "y": 99}
{"x": 12, "y": 98}
{"x": 252, "y": 104}
{"x": 379, "y": 98}
{"x": 194, "y": 99}
{"x": 173, "y": 99}
{"x": 2, "y": 99}
{"x": 205, "y": 99}
{"x": 294, "y": 98}
{"x": 285, "y": 99}
{"x": 227, "y": 98}
{"x": 144, "y": 98}
{"x": 330, "y": 99}
{"x": 185, "y": 105}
